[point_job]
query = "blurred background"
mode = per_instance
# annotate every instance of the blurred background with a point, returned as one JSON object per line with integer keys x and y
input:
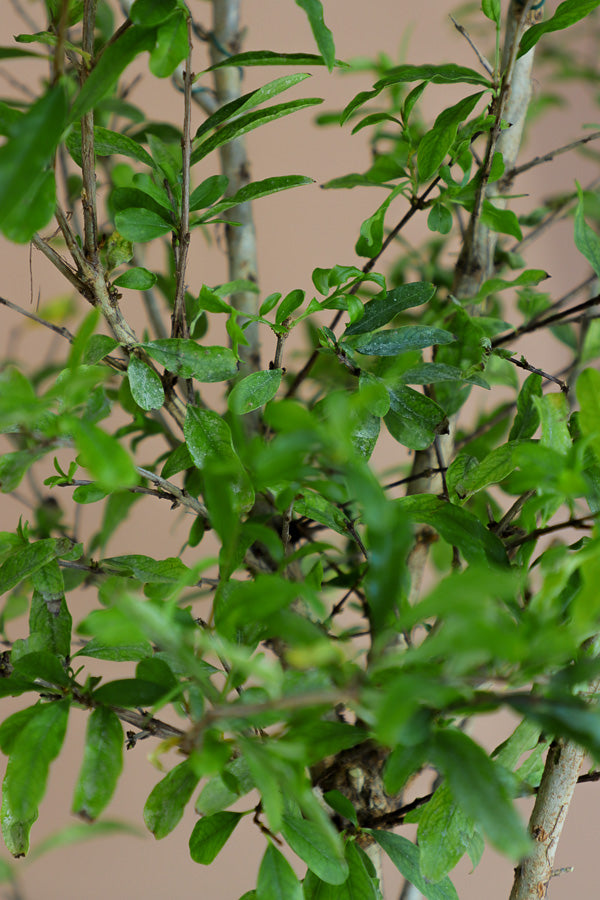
{"x": 296, "y": 231}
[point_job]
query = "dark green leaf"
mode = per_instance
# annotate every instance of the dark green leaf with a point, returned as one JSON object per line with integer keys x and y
{"x": 146, "y": 386}
{"x": 322, "y": 34}
{"x": 586, "y": 239}
{"x": 41, "y": 665}
{"x": 167, "y": 801}
{"x": 208, "y": 438}
{"x": 147, "y": 569}
{"x": 210, "y": 835}
{"x": 382, "y": 310}
{"x": 25, "y": 561}
{"x": 115, "y": 652}
{"x": 98, "y": 346}
{"x": 445, "y": 834}
{"x": 527, "y": 418}
{"x": 270, "y": 58}
{"x": 254, "y": 391}
{"x": 129, "y": 692}
{"x": 152, "y": 12}
{"x": 434, "y": 373}
{"x": 108, "y": 143}
{"x": 52, "y": 620}
{"x": 207, "y": 192}
{"x": 397, "y": 340}
{"x": 255, "y": 191}
{"x": 186, "y": 358}
{"x": 414, "y": 419}
{"x": 102, "y": 764}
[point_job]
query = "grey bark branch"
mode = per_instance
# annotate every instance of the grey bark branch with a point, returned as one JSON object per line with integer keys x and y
{"x": 241, "y": 239}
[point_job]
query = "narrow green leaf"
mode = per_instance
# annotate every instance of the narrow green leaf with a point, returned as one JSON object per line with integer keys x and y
{"x": 444, "y": 836}
{"x": 137, "y": 279}
{"x": 270, "y": 58}
{"x": 370, "y": 241}
{"x": 406, "y": 857}
{"x": 114, "y": 60}
{"x": 108, "y": 143}
{"x": 491, "y": 9}
{"x": 567, "y": 14}
{"x": 146, "y": 386}
{"x": 249, "y": 122}
{"x": 50, "y": 618}
{"x": 34, "y": 211}
{"x": 276, "y": 878}
{"x": 167, "y": 801}
{"x": 255, "y": 191}
{"x": 129, "y": 692}
{"x": 322, "y": 34}
{"x": 397, "y": 340}
{"x": 29, "y": 150}
{"x": 210, "y": 834}
{"x": 186, "y": 358}
{"x": 208, "y": 191}
{"x": 481, "y": 792}
{"x": 34, "y": 748}
{"x": 25, "y": 561}
{"x": 434, "y": 373}
{"x": 102, "y": 764}
{"x": 254, "y": 391}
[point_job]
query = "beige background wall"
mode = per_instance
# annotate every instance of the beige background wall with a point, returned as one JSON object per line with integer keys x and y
{"x": 296, "y": 232}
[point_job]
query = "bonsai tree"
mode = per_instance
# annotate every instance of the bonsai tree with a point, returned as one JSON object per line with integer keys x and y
{"x": 292, "y": 661}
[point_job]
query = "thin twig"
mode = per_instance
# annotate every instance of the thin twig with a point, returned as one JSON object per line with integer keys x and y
{"x": 179, "y": 324}
{"x": 462, "y": 30}
{"x": 536, "y": 324}
{"x": 548, "y": 157}
{"x": 581, "y": 522}
{"x": 175, "y": 492}
{"x": 523, "y": 364}
{"x": 58, "y": 329}
{"x": 88, "y": 160}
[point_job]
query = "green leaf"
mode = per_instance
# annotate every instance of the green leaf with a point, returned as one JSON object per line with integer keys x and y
{"x": 526, "y": 279}
{"x": 254, "y": 391}
{"x": 171, "y": 45}
{"x": 370, "y": 241}
{"x": 491, "y": 9}
{"x": 457, "y": 526}
{"x": 435, "y": 373}
{"x": 208, "y": 439}
{"x": 98, "y": 346}
{"x": 501, "y": 220}
{"x": 527, "y": 418}
{"x": 219, "y": 793}
{"x": 152, "y": 12}
{"x": 210, "y": 834}
{"x": 117, "y": 652}
{"x": 270, "y": 58}
{"x": 51, "y": 619}
{"x": 255, "y": 191}
{"x": 382, "y": 310}
{"x": 322, "y": 34}
{"x": 440, "y": 219}
{"x": 34, "y": 748}
{"x": 320, "y": 848}
{"x": 35, "y": 210}
{"x": 208, "y": 191}
{"x": 102, "y": 764}
{"x": 167, "y": 801}
{"x": 186, "y": 358}
{"x": 137, "y": 279}
{"x": 567, "y": 14}
{"x": 41, "y": 665}
{"x": 397, "y": 340}
{"x": 108, "y": 143}
{"x": 414, "y": 419}
{"x": 13, "y": 467}
{"x": 141, "y": 225}
{"x": 129, "y": 692}
{"x": 276, "y": 878}
{"x": 25, "y": 561}
{"x": 113, "y": 61}
{"x": 103, "y": 456}
{"x": 492, "y": 469}
{"x": 586, "y": 239}
{"x": 146, "y": 386}
{"x": 147, "y": 569}
{"x": 435, "y": 145}
{"x": 74, "y": 834}
{"x": 406, "y": 857}
{"x": 248, "y": 122}
{"x": 444, "y": 836}
{"x": 360, "y": 884}
{"x": 29, "y": 150}
{"x": 476, "y": 785}
{"x": 588, "y": 396}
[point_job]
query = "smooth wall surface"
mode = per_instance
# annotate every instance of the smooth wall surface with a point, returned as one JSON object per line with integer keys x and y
{"x": 297, "y": 231}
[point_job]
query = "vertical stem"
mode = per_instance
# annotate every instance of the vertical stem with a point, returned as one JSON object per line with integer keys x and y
{"x": 562, "y": 767}
{"x": 88, "y": 166}
{"x": 241, "y": 239}
{"x": 179, "y": 325}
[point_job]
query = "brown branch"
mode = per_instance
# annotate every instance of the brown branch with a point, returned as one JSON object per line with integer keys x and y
{"x": 523, "y": 364}
{"x": 548, "y": 157}
{"x": 581, "y": 522}
{"x": 463, "y": 31}
{"x": 58, "y": 329}
{"x": 544, "y": 322}
{"x": 88, "y": 160}
{"x": 179, "y": 324}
